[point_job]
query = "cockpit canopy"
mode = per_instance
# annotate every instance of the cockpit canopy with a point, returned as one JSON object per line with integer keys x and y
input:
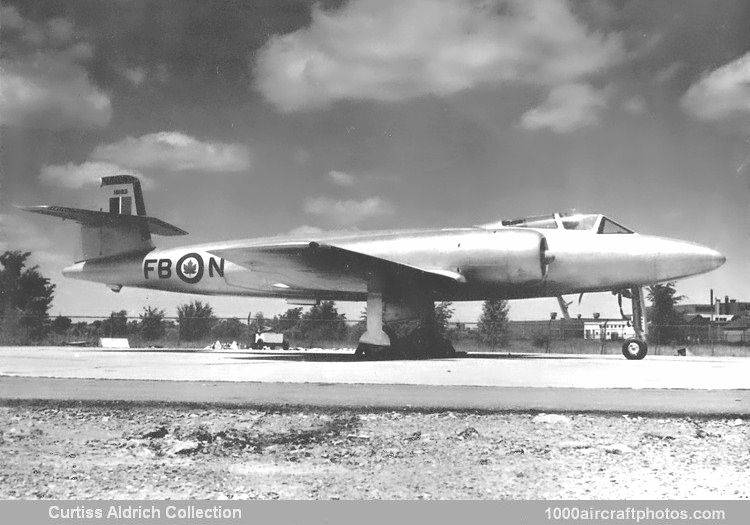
{"x": 591, "y": 222}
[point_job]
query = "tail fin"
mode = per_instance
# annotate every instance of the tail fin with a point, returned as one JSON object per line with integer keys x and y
{"x": 118, "y": 230}
{"x": 122, "y": 190}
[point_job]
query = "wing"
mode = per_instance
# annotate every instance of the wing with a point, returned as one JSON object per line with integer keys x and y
{"x": 304, "y": 265}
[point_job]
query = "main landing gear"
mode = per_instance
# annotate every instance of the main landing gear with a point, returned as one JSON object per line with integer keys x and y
{"x": 636, "y": 348}
{"x": 401, "y": 327}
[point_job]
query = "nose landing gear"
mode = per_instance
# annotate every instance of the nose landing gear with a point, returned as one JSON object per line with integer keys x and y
{"x": 636, "y": 348}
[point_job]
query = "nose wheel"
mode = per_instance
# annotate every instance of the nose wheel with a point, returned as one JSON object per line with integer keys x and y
{"x": 634, "y": 349}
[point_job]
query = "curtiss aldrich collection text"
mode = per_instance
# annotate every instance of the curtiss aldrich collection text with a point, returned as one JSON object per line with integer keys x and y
{"x": 144, "y": 512}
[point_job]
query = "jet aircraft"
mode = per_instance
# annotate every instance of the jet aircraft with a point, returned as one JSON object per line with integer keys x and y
{"x": 399, "y": 273}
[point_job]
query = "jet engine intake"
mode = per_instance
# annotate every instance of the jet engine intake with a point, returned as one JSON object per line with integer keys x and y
{"x": 514, "y": 257}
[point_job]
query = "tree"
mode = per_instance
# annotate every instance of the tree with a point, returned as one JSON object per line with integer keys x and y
{"x": 443, "y": 314}
{"x": 258, "y": 323}
{"x": 152, "y": 323}
{"x": 196, "y": 320}
{"x": 323, "y": 322}
{"x": 229, "y": 330}
{"x": 493, "y": 323}
{"x": 288, "y": 321}
{"x": 25, "y": 297}
{"x": 665, "y": 321}
{"x": 95, "y": 329}
{"x": 61, "y": 324}
{"x": 81, "y": 329}
{"x": 116, "y": 325}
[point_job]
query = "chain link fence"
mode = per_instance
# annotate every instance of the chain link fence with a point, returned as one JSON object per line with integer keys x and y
{"x": 559, "y": 336}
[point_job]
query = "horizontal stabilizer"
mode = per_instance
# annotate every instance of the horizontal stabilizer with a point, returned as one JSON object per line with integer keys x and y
{"x": 103, "y": 218}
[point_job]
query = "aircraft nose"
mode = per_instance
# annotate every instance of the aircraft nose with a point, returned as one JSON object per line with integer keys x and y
{"x": 717, "y": 259}
{"x": 692, "y": 259}
{"x": 703, "y": 258}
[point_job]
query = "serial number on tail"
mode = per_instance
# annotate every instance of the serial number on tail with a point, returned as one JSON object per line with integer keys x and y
{"x": 189, "y": 268}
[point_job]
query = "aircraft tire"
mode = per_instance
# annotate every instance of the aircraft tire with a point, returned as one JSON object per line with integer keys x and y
{"x": 362, "y": 351}
{"x": 368, "y": 352}
{"x": 285, "y": 345}
{"x": 634, "y": 349}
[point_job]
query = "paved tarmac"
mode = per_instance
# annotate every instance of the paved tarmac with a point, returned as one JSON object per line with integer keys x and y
{"x": 723, "y": 403}
{"x": 543, "y": 382}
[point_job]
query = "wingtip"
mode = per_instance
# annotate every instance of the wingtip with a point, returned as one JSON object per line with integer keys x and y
{"x": 36, "y": 207}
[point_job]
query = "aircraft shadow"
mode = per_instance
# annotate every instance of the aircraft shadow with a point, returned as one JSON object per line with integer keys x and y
{"x": 343, "y": 358}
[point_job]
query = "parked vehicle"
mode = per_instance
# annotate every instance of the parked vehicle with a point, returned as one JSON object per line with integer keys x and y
{"x": 271, "y": 340}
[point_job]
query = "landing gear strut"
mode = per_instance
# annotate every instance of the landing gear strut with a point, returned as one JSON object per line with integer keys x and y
{"x": 374, "y": 336}
{"x": 636, "y": 348}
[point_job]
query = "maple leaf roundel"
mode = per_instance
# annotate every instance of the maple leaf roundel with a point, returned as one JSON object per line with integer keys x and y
{"x": 190, "y": 268}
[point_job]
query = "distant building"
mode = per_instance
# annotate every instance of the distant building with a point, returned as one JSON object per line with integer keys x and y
{"x": 716, "y": 311}
{"x": 611, "y": 329}
{"x": 704, "y": 329}
{"x": 737, "y": 330}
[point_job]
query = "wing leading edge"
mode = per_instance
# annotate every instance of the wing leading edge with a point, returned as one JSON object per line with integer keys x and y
{"x": 312, "y": 265}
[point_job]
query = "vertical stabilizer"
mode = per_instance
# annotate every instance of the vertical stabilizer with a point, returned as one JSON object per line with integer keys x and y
{"x": 124, "y": 195}
{"x": 124, "y": 198}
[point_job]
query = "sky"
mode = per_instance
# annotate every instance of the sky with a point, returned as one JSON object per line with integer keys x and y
{"x": 246, "y": 119}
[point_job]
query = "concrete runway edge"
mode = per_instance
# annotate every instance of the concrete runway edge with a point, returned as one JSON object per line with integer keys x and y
{"x": 707, "y": 403}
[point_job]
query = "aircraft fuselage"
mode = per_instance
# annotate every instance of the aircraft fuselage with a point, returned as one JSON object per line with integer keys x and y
{"x": 484, "y": 263}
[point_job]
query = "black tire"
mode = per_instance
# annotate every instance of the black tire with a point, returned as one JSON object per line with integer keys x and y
{"x": 361, "y": 351}
{"x": 285, "y": 345}
{"x": 259, "y": 344}
{"x": 634, "y": 349}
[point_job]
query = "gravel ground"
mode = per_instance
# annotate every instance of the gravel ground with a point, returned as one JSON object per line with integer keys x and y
{"x": 112, "y": 451}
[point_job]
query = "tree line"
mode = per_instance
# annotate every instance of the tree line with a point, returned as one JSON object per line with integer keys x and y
{"x": 196, "y": 321}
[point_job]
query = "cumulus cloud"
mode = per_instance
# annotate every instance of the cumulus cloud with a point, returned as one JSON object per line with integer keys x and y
{"x": 568, "y": 107}
{"x": 139, "y": 75}
{"x": 347, "y": 211}
{"x": 73, "y": 175}
{"x": 723, "y": 95}
{"x": 174, "y": 151}
{"x": 44, "y": 82}
{"x": 50, "y": 92}
{"x": 391, "y": 51}
{"x": 340, "y": 178}
{"x": 307, "y": 231}
{"x": 135, "y": 75}
{"x": 12, "y": 19}
{"x": 304, "y": 231}
{"x": 166, "y": 151}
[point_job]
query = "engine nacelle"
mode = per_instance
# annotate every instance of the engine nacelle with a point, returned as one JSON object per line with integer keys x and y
{"x": 509, "y": 256}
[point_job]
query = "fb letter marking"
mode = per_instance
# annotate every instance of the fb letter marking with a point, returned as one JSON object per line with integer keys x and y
{"x": 147, "y": 267}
